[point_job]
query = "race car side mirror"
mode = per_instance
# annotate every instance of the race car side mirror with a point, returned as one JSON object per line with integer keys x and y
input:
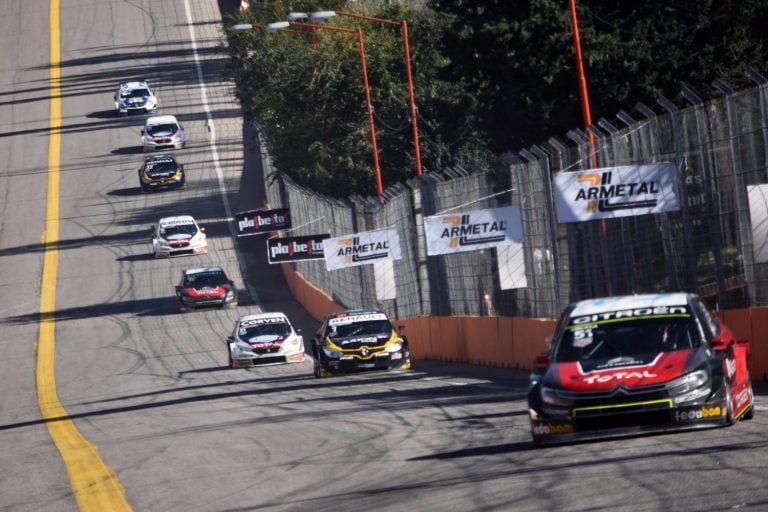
{"x": 178, "y": 287}
{"x": 718, "y": 344}
{"x": 231, "y": 283}
{"x": 152, "y": 228}
{"x": 400, "y": 328}
{"x": 142, "y": 131}
{"x": 202, "y": 229}
{"x": 541, "y": 363}
{"x": 230, "y": 339}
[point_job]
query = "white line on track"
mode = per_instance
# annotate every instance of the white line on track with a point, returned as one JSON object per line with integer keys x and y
{"x": 214, "y": 149}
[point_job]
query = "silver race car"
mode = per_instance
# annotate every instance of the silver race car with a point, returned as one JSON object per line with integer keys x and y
{"x": 135, "y": 97}
{"x": 178, "y": 236}
{"x": 264, "y": 338}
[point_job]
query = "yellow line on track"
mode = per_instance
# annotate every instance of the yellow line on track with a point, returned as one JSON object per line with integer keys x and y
{"x": 95, "y": 485}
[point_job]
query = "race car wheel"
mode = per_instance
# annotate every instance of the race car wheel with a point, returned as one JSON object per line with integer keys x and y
{"x": 728, "y": 404}
{"x": 318, "y": 367}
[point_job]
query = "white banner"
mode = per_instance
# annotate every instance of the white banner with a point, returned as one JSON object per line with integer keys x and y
{"x": 511, "y": 263}
{"x": 758, "y": 213}
{"x": 613, "y": 192}
{"x": 472, "y": 231}
{"x": 361, "y": 249}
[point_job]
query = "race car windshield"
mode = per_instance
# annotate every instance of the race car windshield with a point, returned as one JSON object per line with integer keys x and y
{"x": 162, "y": 128}
{"x": 178, "y": 229}
{"x": 640, "y": 338}
{"x": 366, "y": 328}
{"x": 162, "y": 167}
{"x": 205, "y": 280}
{"x": 135, "y": 93}
{"x": 280, "y": 330}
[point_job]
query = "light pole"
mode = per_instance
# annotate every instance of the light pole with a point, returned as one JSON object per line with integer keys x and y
{"x": 281, "y": 25}
{"x": 322, "y": 15}
{"x": 582, "y": 82}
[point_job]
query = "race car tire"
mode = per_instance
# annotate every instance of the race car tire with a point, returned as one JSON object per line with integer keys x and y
{"x": 318, "y": 367}
{"x": 751, "y": 412}
{"x": 728, "y": 404}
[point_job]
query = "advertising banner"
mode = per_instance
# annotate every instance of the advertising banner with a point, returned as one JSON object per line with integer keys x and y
{"x": 472, "y": 231}
{"x": 256, "y": 222}
{"x": 613, "y": 192}
{"x": 295, "y": 248}
{"x": 362, "y": 249}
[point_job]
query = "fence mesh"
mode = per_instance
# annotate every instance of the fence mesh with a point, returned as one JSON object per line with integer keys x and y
{"x": 720, "y": 150}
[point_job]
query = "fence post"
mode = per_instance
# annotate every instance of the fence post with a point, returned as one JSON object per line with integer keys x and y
{"x": 708, "y": 176}
{"x": 740, "y": 190}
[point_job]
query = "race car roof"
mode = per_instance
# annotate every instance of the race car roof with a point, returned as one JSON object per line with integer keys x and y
{"x": 177, "y": 220}
{"x": 200, "y": 270}
{"x": 264, "y": 318}
{"x": 624, "y": 302}
{"x": 161, "y": 120}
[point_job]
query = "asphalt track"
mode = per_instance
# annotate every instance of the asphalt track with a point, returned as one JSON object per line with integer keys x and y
{"x": 149, "y": 387}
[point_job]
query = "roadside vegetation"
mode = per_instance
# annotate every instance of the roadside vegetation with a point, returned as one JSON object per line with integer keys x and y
{"x": 489, "y": 77}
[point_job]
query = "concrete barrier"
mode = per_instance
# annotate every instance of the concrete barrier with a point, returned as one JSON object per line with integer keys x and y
{"x": 511, "y": 342}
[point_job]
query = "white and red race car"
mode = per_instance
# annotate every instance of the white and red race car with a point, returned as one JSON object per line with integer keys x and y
{"x": 264, "y": 338}
{"x": 178, "y": 236}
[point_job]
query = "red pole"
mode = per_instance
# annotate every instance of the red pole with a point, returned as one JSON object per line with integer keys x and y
{"x": 412, "y": 100}
{"x": 369, "y": 106}
{"x": 411, "y": 96}
{"x": 582, "y": 82}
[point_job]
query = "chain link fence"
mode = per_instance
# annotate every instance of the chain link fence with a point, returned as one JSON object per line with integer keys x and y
{"x": 720, "y": 148}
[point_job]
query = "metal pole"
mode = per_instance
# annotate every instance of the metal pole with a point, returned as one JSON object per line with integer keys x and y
{"x": 582, "y": 81}
{"x": 412, "y": 100}
{"x": 379, "y": 186}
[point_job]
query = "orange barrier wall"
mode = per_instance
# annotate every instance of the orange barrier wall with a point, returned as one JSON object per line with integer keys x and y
{"x": 511, "y": 342}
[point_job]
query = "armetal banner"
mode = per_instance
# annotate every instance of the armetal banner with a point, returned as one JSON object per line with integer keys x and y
{"x": 256, "y": 222}
{"x": 295, "y": 248}
{"x": 472, "y": 231}
{"x": 362, "y": 249}
{"x": 613, "y": 192}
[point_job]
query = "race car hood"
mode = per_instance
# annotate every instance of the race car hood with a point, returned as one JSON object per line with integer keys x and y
{"x": 179, "y": 237}
{"x": 161, "y": 172}
{"x": 627, "y": 372}
{"x": 352, "y": 342}
{"x": 264, "y": 342}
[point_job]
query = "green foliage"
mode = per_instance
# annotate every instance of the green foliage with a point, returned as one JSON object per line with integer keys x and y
{"x": 489, "y": 77}
{"x": 310, "y": 97}
{"x": 519, "y": 59}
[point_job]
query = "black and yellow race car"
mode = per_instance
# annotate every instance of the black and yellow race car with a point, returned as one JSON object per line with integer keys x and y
{"x": 161, "y": 172}
{"x": 358, "y": 339}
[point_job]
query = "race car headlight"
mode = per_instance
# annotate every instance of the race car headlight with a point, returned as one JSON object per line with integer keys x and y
{"x": 333, "y": 354}
{"x": 549, "y": 396}
{"x": 230, "y": 294}
{"x": 688, "y": 382}
{"x": 162, "y": 244}
{"x": 394, "y": 347}
{"x": 241, "y": 347}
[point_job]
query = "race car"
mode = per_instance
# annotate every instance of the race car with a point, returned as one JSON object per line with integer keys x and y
{"x": 162, "y": 132}
{"x": 178, "y": 236}
{"x": 639, "y": 363}
{"x": 160, "y": 172}
{"x": 205, "y": 286}
{"x": 264, "y": 338}
{"x": 357, "y": 339}
{"x": 134, "y": 97}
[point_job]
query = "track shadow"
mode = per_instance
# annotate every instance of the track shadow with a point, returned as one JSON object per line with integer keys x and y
{"x": 130, "y": 150}
{"x": 123, "y": 192}
{"x": 137, "y": 257}
{"x": 103, "y": 114}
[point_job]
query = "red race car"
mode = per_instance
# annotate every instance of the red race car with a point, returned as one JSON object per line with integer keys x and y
{"x": 638, "y": 363}
{"x": 205, "y": 286}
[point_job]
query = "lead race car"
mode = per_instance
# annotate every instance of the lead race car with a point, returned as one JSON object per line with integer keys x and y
{"x": 358, "y": 339}
{"x": 634, "y": 364}
{"x": 264, "y": 338}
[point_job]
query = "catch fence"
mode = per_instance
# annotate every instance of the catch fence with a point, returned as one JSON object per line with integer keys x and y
{"x": 720, "y": 151}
